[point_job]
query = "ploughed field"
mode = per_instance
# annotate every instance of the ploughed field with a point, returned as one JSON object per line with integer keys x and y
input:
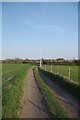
{"x": 64, "y": 71}
{"x": 13, "y": 80}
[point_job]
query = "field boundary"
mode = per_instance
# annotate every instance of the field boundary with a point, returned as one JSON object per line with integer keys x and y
{"x": 64, "y": 83}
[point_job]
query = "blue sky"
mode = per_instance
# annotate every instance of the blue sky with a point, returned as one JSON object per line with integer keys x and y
{"x": 28, "y": 27}
{"x": 0, "y": 30}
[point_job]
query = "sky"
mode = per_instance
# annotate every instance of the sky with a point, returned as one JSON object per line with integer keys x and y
{"x": 29, "y": 27}
{"x": 40, "y": 0}
{"x": 0, "y": 30}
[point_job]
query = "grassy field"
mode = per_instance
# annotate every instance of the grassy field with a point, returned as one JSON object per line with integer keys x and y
{"x": 13, "y": 80}
{"x": 64, "y": 71}
{"x": 54, "y": 107}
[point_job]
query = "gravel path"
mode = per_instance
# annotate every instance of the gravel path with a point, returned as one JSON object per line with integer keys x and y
{"x": 32, "y": 101}
{"x": 64, "y": 98}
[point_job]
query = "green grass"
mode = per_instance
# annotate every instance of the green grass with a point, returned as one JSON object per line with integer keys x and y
{"x": 68, "y": 85}
{"x": 64, "y": 71}
{"x": 13, "y": 80}
{"x": 54, "y": 107}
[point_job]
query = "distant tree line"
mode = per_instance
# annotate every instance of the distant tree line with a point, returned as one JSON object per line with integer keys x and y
{"x": 19, "y": 60}
{"x": 59, "y": 61}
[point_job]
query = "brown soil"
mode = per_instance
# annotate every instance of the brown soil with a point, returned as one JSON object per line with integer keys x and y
{"x": 32, "y": 101}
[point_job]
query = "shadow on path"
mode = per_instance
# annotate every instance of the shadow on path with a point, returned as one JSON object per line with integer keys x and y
{"x": 37, "y": 106}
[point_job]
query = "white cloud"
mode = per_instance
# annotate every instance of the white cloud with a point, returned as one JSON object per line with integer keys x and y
{"x": 43, "y": 26}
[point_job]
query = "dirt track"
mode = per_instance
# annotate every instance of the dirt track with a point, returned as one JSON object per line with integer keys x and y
{"x": 33, "y": 102}
{"x": 64, "y": 98}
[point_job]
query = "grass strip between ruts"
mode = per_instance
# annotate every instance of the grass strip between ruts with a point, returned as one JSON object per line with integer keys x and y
{"x": 54, "y": 107}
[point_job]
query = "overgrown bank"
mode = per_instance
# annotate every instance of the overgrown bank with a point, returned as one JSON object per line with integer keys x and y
{"x": 70, "y": 87}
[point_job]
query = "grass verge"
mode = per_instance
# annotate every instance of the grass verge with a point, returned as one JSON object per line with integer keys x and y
{"x": 13, "y": 90}
{"x": 70, "y": 87}
{"x": 54, "y": 107}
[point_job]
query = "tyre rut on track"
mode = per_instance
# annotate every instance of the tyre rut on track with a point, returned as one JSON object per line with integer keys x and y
{"x": 66, "y": 99}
